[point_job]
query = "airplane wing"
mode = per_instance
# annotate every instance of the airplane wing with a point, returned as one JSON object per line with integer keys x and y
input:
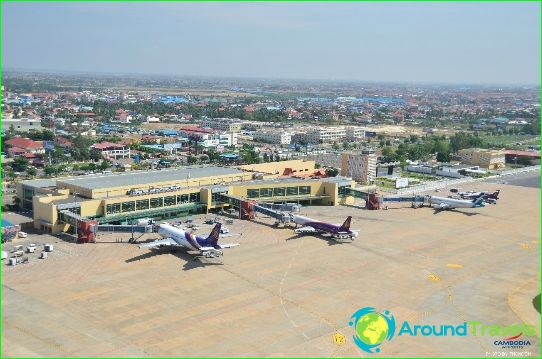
{"x": 158, "y": 243}
{"x": 230, "y": 235}
{"x": 306, "y": 229}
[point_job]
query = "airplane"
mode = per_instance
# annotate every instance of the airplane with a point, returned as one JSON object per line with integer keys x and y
{"x": 488, "y": 197}
{"x": 178, "y": 238}
{"x": 312, "y": 226}
{"x": 441, "y": 203}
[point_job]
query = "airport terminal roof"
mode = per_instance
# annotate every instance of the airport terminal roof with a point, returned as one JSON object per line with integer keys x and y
{"x": 141, "y": 178}
{"x": 40, "y": 183}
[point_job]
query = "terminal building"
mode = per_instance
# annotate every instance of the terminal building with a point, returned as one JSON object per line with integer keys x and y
{"x": 172, "y": 193}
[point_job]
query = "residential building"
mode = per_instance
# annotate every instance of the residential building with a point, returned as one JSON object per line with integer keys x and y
{"x": 21, "y": 124}
{"x": 325, "y": 134}
{"x": 222, "y": 124}
{"x": 275, "y": 137}
{"x": 360, "y": 166}
{"x": 20, "y": 145}
{"x": 112, "y": 150}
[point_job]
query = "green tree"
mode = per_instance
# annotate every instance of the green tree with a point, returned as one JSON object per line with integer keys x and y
{"x": 336, "y": 146}
{"x": 443, "y": 157}
{"x": 104, "y": 165}
{"x": 192, "y": 160}
{"x": 50, "y": 170}
{"x": 19, "y": 164}
{"x": 332, "y": 172}
{"x": 31, "y": 171}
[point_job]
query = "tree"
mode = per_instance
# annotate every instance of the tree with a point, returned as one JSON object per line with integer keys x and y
{"x": 192, "y": 160}
{"x": 443, "y": 157}
{"x": 332, "y": 172}
{"x": 95, "y": 154}
{"x": 265, "y": 157}
{"x": 50, "y": 170}
{"x": 346, "y": 145}
{"x": 336, "y": 146}
{"x": 19, "y": 164}
{"x": 58, "y": 154}
{"x": 104, "y": 165}
{"x": 413, "y": 138}
{"x": 31, "y": 171}
{"x": 204, "y": 158}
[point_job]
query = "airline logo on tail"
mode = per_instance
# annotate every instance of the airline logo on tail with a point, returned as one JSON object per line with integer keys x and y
{"x": 212, "y": 240}
{"x": 346, "y": 225}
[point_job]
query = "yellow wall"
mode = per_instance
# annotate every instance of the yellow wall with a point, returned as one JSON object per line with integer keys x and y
{"x": 92, "y": 208}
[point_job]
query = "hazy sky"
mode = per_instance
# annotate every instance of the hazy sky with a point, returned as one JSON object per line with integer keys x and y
{"x": 488, "y": 43}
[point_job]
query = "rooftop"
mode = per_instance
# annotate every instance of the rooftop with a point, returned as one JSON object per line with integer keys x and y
{"x": 142, "y": 178}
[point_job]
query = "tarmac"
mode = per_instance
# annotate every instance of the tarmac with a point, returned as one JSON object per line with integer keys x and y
{"x": 283, "y": 295}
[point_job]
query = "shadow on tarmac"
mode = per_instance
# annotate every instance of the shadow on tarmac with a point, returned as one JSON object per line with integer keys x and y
{"x": 191, "y": 260}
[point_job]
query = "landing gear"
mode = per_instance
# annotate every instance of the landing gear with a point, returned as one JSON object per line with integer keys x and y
{"x": 213, "y": 254}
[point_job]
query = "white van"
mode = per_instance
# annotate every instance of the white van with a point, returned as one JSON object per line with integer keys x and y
{"x": 23, "y": 234}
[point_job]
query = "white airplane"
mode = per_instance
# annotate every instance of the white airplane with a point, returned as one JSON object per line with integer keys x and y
{"x": 441, "y": 203}
{"x": 312, "y": 226}
{"x": 176, "y": 237}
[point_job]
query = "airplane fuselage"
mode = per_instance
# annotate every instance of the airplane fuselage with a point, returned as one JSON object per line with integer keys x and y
{"x": 452, "y": 203}
{"x": 323, "y": 227}
{"x": 184, "y": 239}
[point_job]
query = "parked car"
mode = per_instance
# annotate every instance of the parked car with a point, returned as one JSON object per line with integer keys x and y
{"x": 23, "y": 234}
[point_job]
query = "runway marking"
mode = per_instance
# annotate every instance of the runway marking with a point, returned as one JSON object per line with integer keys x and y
{"x": 454, "y": 265}
{"x": 434, "y": 277}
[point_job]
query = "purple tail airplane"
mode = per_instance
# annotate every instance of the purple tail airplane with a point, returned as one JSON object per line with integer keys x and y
{"x": 312, "y": 226}
{"x": 176, "y": 237}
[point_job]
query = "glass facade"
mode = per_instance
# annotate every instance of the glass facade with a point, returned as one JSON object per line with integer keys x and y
{"x": 183, "y": 198}
{"x": 128, "y": 206}
{"x": 292, "y": 191}
{"x": 142, "y": 204}
{"x": 279, "y": 191}
{"x": 304, "y": 190}
{"x": 266, "y": 192}
{"x": 194, "y": 197}
{"x": 343, "y": 190}
{"x": 157, "y": 202}
{"x": 112, "y": 208}
{"x": 169, "y": 201}
{"x": 253, "y": 193}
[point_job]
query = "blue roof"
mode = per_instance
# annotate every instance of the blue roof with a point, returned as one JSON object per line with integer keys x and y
{"x": 229, "y": 155}
{"x": 6, "y": 223}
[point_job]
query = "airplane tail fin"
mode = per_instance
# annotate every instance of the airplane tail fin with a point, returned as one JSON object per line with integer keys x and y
{"x": 478, "y": 201}
{"x": 212, "y": 240}
{"x": 346, "y": 225}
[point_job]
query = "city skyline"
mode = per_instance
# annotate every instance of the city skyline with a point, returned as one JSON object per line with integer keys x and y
{"x": 485, "y": 44}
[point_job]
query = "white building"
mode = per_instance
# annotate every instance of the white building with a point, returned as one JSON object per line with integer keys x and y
{"x": 354, "y": 133}
{"x": 222, "y": 124}
{"x": 275, "y": 137}
{"x": 325, "y": 134}
{"x": 153, "y": 119}
{"x": 21, "y": 124}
